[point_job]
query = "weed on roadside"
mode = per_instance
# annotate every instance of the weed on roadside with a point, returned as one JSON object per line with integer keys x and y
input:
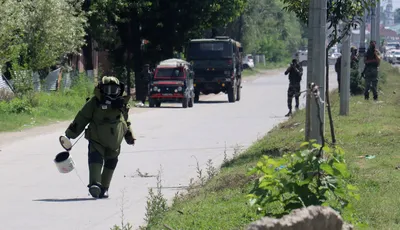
{"x": 156, "y": 204}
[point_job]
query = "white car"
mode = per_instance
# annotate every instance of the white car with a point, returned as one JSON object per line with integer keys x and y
{"x": 248, "y": 61}
{"x": 395, "y": 57}
{"x": 388, "y": 55}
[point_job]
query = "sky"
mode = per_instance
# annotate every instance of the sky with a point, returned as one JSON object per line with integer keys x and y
{"x": 396, "y": 4}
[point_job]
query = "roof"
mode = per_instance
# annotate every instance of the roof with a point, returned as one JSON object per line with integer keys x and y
{"x": 173, "y": 62}
{"x": 216, "y": 39}
{"x": 4, "y": 84}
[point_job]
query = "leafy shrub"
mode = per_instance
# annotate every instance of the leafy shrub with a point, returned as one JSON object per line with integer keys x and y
{"x": 310, "y": 176}
{"x": 356, "y": 82}
{"x": 17, "y": 106}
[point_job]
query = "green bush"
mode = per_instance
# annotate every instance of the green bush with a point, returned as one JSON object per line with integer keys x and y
{"x": 29, "y": 102}
{"x": 310, "y": 176}
{"x": 356, "y": 82}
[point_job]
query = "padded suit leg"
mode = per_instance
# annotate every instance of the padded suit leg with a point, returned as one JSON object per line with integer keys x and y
{"x": 111, "y": 161}
{"x": 108, "y": 171}
{"x": 95, "y": 161}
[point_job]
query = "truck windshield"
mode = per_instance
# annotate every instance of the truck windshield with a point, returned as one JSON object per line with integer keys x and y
{"x": 210, "y": 50}
{"x": 169, "y": 73}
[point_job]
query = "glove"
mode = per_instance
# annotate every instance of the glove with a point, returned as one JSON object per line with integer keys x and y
{"x": 130, "y": 140}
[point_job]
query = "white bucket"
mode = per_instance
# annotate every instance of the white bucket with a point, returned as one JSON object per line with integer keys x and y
{"x": 64, "y": 162}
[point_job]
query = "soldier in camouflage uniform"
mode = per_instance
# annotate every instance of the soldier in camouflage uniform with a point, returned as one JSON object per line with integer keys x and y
{"x": 107, "y": 115}
{"x": 354, "y": 58}
{"x": 295, "y": 72}
{"x": 372, "y": 62}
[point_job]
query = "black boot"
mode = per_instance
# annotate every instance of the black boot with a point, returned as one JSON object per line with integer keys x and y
{"x": 95, "y": 190}
{"x": 289, "y": 113}
{"x": 104, "y": 193}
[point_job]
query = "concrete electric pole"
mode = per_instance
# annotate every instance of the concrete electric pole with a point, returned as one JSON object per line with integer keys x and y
{"x": 361, "y": 49}
{"x": 373, "y": 23}
{"x": 345, "y": 75}
{"x": 378, "y": 25}
{"x": 316, "y": 73}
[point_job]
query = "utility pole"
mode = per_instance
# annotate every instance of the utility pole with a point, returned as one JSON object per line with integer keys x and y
{"x": 345, "y": 76}
{"x": 373, "y": 23}
{"x": 310, "y": 44}
{"x": 378, "y": 24}
{"x": 361, "y": 49}
{"x": 317, "y": 40}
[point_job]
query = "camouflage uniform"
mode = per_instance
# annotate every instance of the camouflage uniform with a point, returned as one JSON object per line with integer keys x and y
{"x": 372, "y": 61}
{"x": 295, "y": 72}
{"x": 107, "y": 115}
{"x": 354, "y": 58}
{"x": 338, "y": 69}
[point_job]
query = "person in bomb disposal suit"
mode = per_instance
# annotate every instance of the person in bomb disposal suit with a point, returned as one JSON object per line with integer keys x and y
{"x": 107, "y": 115}
{"x": 295, "y": 72}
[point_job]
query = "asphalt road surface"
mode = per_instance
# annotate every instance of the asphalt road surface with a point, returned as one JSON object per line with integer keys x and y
{"x": 35, "y": 196}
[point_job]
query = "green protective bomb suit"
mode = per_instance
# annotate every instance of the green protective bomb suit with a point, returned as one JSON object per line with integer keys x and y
{"x": 107, "y": 115}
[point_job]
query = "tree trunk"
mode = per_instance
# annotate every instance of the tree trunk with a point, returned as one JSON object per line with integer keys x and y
{"x": 327, "y": 99}
{"x": 87, "y": 52}
{"x": 136, "y": 44}
{"x": 214, "y": 32}
{"x": 240, "y": 29}
{"x": 88, "y": 48}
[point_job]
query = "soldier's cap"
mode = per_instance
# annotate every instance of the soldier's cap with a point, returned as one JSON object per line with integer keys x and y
{"x": 107, "y": 80}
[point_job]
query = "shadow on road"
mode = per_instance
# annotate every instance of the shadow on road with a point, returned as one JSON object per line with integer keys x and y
{"x": 172, "y": 187}
{"x": 211, "y": 102}
{"x": 66, "y": 200}
{"x": 168, "y": 107}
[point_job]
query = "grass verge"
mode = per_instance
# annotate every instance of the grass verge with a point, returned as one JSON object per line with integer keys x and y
{"x": 39, "y": 108}
{"x": 370, "y": 129}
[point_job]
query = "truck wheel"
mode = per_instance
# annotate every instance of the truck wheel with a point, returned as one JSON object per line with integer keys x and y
{"x": 231, "y": 94}
{"x": 151, "y": 103}
{"x": 190, "y": 103}
{"x": 196, "y": 97}
{"x": 185, "y": 102}
{"x": 158, "y": 104}
{"x": 238, "y": 93}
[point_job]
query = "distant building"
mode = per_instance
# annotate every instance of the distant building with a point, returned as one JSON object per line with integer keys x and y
{"x": 388, "y": 14}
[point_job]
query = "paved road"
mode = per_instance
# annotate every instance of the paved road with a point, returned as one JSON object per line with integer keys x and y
{"x": 33, "y": 195}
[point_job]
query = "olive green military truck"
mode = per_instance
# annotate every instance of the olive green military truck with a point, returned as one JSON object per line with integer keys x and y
{"x": 217, "y": 66}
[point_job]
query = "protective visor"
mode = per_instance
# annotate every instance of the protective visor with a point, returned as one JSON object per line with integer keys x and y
{"x": 112, "y": 89}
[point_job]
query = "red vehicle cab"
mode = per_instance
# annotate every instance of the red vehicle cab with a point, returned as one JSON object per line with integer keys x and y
{"x": 172, "y": 82}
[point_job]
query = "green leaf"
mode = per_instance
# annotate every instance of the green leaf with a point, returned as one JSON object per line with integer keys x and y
{"x": 327, "y": 168}
{"x": 304, "y": 144}
{"x": 342, "y": 169}
{"x": 352, "y": 187}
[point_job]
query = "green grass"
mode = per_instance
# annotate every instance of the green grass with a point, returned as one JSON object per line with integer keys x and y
{"x": 371, "y": 128}
{"x": 34, "y": 109}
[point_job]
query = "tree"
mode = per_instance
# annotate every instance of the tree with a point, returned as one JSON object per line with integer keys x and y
{"x": 53, "y": 28}
{"x": 342, "y": 16}
{"x": 120, "y": 26}
{"x": 12, "y": 24}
